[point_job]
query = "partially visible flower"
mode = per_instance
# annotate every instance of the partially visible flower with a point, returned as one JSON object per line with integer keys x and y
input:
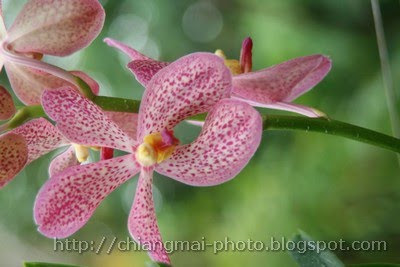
{"x": 50, "y": 27}
{"x": 7, "y": 108}
{"x": 194, "y": 84}
{"x": 41, "y": 137}
{"x": 26, "y": 143}
{"x": 274, "y": 87}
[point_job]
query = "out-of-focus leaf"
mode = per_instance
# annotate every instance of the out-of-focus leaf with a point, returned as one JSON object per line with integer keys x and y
{"x": 374, "y": 265}
{"x": 307, "y": 253}
{"x": 46, "y": 264}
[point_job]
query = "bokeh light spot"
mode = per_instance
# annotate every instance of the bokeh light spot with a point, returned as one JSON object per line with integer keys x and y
{"x": 202, "y": 22}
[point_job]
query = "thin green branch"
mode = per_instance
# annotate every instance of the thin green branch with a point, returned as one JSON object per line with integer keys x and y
{"x": 117, "y": 104}
{"x": 332, "y": 127}
{"x": 391, "y": 97}
{"x": 24, "y": 114}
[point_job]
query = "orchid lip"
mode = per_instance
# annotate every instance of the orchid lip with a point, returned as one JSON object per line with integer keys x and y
{"x": 156, "y": 148}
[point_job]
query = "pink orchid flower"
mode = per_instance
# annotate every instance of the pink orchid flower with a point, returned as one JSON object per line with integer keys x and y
{"x": 194, "y": 84}
{"x": 50, "y": 27}
{"x": 40, "y": 137}
{"x": 274, "y": 87}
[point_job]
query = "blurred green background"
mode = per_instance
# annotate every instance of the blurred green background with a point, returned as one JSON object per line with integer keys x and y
{"x": 328, "y": 186}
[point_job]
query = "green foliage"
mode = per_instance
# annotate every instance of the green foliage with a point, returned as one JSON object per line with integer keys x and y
{"x": 375, "y": 265}
{"x": 46, "y": 264}
{"x": 157, "y": 264}
{"x": 312, "y": 256}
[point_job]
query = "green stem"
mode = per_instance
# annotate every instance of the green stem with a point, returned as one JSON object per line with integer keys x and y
{"x": 24, "y": 114}
{"x": 332, "y": 127}
{"x": 270, "y": 122}
{"x": 117, "y": 104}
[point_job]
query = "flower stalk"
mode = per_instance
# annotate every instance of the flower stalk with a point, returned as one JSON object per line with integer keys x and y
{"x": 22, "y": 115}
{"x": 331, "y": 127}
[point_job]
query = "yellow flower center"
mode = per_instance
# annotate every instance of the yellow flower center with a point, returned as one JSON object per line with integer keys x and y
{"x": 155, "y": 149}
{"x": 232, "y": 64}
{"x": 81, "y": 152}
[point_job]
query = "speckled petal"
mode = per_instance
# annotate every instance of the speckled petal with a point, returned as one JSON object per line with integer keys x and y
{"x": 82, "y": 122}
{"x": 143, "y": 67}
{"x": 133, "y": 54}
{"x": 3, "y": 30}
{"x": 63, "y": 161}
{"x": 13, "y": 156}
{"x": 283, "y": 82}
{"x": 67, "y": 201}
{"x": 29, "y": 84}
{"x": 126, "y": 121}
{"x": 41, "y": 137}
{"x": 142, "y": 222}
{"x": 56, "y": 27}
{"x": 144, "y": 70}
{"x": 7, "y": 108}
{"x": 229, "y": 138}
{"x": 188, "y": 86}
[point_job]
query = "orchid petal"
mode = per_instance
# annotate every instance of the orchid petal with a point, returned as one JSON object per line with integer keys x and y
{"x": 63, "y": 161}
{"x": 41, "y": 137}
{"x": 67, "y": 201}
{"x": 56, "y": 27}
{"x": 126, "y": 121}
{"x": 82, "y": 122}
{"x": 144, "y": 70}
{"x": 130, "y": 52}
{"x": 291, "y": 107}
{"x": 7, "y": 108}
{"x": 143, "y": 67}
{"x": 29, "y": 84}
{"x": 229, "y": 138}
{"x": 13, "y": 156}
{"x": 3, "y": 30}
{"x": 142, "y": 222}
{"x": 283, "y": 82}
{"x": 188, "y": 86}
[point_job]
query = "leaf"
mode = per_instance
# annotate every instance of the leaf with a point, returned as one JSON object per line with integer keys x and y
{"x": 307, "y": 253}
{"x": 374, "y": 265}
{"x": 46, "y": 264}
